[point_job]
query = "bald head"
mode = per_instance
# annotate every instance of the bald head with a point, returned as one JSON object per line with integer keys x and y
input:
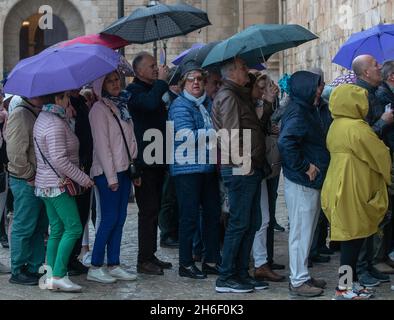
{"x": 367, "y": 68}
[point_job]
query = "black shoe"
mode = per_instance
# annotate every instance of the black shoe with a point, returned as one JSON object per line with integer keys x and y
{"x": 278, "y": 227}
{"x": 320, "y": 259}
{"x": 257, "y": 284}
{"x": 76, "y": 268}
{"x": 233, "y": 285}
{"x": 169, "y": 243}
{"x": 326, "y": 251}
{"x": 149, "y": 268}
{"x": 161, "y": 264}
{"x": 24, "y": 279}
{"x": 207, "y": 269}
{"x": 191, "y": 272}
{"x": 276, "y": 266}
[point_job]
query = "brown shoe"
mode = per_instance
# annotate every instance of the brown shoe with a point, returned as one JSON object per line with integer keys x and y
{"x": 318, "y": 283}
{"x": 264, "y": 272}
{"x": 149, "y": 268}
{"x": 305, "y": 290}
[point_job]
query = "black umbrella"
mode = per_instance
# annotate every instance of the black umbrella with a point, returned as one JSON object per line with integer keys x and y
{"x": 158, "y": 22}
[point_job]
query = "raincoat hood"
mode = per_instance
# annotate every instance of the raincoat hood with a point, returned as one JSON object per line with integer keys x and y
{"x": 303, "y": 87}
{"x": 349, "y": 101}
{"x": 98, "y": 87}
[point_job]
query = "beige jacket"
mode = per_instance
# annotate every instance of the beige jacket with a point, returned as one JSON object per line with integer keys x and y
{"x": 20, "y": 146}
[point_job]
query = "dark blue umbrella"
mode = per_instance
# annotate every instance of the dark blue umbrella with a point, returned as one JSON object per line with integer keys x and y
{"x": 178, "y": 59}
{"x": 61, "y": 69}
{"x": 377, "y": 41}
{"x": 158, "y": 22}
{"x": 194, "y": 58}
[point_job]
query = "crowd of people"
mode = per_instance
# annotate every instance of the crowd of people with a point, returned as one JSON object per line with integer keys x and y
{"x": 69, "y": 157}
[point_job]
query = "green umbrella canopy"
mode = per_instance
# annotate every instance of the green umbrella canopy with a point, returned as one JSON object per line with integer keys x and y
{"x": 259, "y": 42}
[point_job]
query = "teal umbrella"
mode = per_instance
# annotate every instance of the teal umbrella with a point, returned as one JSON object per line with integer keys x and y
{"x": 258, "y": 42}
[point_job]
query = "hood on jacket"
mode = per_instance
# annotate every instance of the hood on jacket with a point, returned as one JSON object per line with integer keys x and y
{"x": 98, "y": 85}
{"x": 303, "y": 87}
{"x": 349, "y": 101}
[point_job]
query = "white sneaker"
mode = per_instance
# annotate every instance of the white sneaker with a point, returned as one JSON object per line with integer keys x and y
{"x": 87, "y": 259}
{"x": 4, "y": 268}
{"x": 121, "y": 274}
{"x": 100, "y": 275}
{"x": 63, "y": 284}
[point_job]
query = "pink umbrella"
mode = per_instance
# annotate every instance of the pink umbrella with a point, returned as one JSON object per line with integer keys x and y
{"x": 108, "y": 40}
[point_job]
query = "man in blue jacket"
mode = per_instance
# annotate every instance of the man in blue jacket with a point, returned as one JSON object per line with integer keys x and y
{"x": 305, "y": 161}
{"x": 148, "y": 111}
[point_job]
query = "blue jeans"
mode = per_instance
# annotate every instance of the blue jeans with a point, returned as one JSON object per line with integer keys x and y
{"x": 192, "y": 191}
{"x": 244, "y": 220}
{"x": 113, "y": 216}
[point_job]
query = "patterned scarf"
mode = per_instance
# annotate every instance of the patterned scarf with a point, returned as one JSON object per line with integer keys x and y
{"x": 121, "y": 103}
{"x": 54, "y": 108}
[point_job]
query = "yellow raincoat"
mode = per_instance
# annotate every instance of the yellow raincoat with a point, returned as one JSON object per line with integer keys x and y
{"x": 354, "y": 194}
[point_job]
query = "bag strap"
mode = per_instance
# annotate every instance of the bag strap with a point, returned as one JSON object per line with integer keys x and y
{"x": 24, "y": 107}
{"x": 45, "y": 159}
{"x": 123, "y": 135}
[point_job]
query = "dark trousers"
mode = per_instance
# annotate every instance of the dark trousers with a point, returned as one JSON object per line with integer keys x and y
{"x": 272, "y": 189}
{"x": 83, "y": 205}
{"x": 168, "y": 216}
{"x": 194, "y": 190}
{"x": 244, "y": 220}
{"x": 350, "y": 251}
{"x": 320, "y": 235}
{"x": 148, "y": 197}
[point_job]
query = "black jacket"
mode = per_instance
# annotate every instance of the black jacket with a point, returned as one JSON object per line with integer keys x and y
{"x": 302, "y": 139}
{"x": 83, "y": 132}
{"x": 148, "y": 111}
{"x": 376, "y": 109}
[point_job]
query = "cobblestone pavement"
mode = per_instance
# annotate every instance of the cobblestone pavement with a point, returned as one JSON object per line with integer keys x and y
{"x": 171, "y": 286}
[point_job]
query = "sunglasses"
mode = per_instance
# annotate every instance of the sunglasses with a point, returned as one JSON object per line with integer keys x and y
{"x": 192, "y": 79}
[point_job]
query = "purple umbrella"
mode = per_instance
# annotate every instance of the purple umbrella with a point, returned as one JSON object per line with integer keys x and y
{"x": 61, "y": 69}
{"x": 179, "y": 58}
{"x": 377, "y": 42}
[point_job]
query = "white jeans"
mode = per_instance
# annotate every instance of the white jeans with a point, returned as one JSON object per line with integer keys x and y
{"x": 303, "y": 205}
{"x": 259, "y": 249}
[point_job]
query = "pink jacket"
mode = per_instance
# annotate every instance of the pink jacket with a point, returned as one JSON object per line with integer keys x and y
{"x": 109, "y": 150}
{"x": 60, "y": 146}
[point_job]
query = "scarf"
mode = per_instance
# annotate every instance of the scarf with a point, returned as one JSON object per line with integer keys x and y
{"x": 54, "y": 108}
{"x": 204, "y": 112}
{"x": 121, "y": 103}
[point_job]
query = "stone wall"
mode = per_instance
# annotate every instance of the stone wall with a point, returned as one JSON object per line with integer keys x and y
{"x": 92, "y": 16}
{"x": 333, "y": 21}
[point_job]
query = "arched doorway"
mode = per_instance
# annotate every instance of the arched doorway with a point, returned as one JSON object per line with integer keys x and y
{"x": 20, "y": 35}
{"x": 33, "y": 40}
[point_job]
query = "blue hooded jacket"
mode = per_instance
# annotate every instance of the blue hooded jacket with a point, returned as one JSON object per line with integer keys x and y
{"x": 302, "y": 139}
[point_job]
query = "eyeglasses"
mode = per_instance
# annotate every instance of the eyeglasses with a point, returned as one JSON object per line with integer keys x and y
{"x": 192, "y": 79}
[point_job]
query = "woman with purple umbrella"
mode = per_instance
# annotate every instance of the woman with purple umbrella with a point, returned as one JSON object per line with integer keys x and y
{"x": 56, "y": 149}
